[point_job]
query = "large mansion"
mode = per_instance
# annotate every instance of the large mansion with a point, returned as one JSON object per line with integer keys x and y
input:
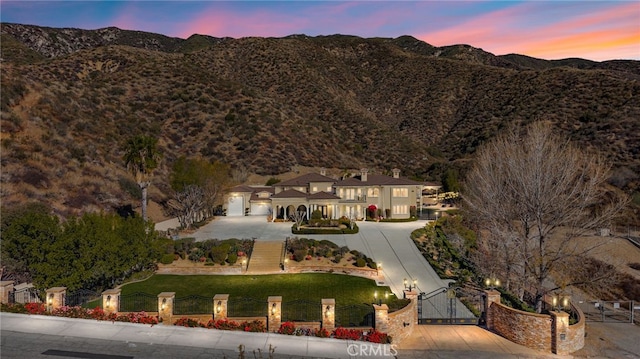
{"x": 350, "y": 197}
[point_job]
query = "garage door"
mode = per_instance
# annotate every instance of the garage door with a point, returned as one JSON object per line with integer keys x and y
{"x": 260, "y": 209}
{"x": 235, "y": 206}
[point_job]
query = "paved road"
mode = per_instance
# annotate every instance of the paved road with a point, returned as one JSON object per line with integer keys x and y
{"x": 388, "y": 243}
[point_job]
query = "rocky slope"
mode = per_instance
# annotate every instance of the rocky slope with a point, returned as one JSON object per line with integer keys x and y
{"x": 71, "y": 97}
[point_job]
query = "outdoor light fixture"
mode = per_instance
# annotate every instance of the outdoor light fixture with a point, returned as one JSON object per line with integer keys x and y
{"x": 164, "y": 303}
{"x": 273, "y": 309}
{"x": 492, "y": 282}
{"x": 560, "y": 302}
{"x": 410, "y": 286}
{"x": 219, "y": 306}
{"x": 50, "y": 301}
{"x": 108, "y": 301}
{"x": 327, "y": 311}
{"x": 386, "y": 296}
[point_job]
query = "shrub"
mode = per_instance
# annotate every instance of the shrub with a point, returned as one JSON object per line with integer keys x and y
{"x": 188, "y": 322}
{"x": 255, "y": 326}
{"x": 372, "y": 264}
{"x": 287, "y": 328}
{"x": 322, "y": 333}
{"x": 35, "y": 308}
{"x": 375, "y": 336}
{"x": 232, "y": 258}
{"x": 360, "y": 262}
{"x": 337, "y": 259}
{"x": 167, "y": 258}
{"x": 344, "y": 333}
{"x": 299, "y": 254}
{"x": 223, "y": 324}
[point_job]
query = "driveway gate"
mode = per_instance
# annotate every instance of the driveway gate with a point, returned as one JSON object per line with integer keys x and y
{"x": 443, "y": 306}
{"x": 612, "y": 311}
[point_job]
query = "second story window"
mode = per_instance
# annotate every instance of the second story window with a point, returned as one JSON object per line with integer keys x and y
{"x": 373, "y": 192}
{"x": 400, "y": 192}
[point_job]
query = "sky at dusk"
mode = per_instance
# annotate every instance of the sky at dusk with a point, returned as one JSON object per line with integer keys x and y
{"x": 595, "y": 30}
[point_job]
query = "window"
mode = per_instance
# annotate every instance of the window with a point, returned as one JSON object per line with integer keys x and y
{"x": 400, "y": 192}
{"x": 329, "y": 189}
{"x": 401, "y": 209}
{"x": 314, "y": 189}
{"x": 373, "y": 192}
{"x": 349, "y": 193}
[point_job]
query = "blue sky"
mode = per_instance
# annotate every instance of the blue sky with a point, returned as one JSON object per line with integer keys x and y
{"x": 596, "y": 30}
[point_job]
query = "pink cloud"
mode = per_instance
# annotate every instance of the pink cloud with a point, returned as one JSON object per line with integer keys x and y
{"x": 606, "y": 34}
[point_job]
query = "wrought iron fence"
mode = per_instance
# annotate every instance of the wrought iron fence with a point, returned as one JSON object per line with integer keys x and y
{"x": 301, "y": 310}
{"x": 443, "y": 306}
{"x": 355, "y": 315}
{"x": 80, "y": 297}
{"x": 138, "y": 302}
{"x": 26, "y": 295}
{"x": 193, "y": 304}
{"x": 247, "y": 307}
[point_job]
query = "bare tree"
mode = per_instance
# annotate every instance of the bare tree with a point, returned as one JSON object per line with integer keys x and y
{"x": 527, "y": 188}
{"x": 188, "y": 205}
{"x": 298, "y": 217}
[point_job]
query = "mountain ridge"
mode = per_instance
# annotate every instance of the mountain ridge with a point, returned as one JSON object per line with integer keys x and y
{"x": 270, "y": 104}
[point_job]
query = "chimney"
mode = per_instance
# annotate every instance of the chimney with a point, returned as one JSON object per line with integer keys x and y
{"x": 396, "y": 173}
{"x": 323, "y": 171}
{"x": 363, "y": 174}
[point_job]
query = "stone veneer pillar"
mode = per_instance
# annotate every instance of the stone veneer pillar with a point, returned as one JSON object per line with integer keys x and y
{"x": 274, "y": 313}
{"x": 492, "y": 296}
{"x": 559, "y": 329}
{"x": 220, "y": 304}
{"x": 55, "y": 298}
{"x": 328, "y": 310}
{"x": 111, "y": 300}
{"x": 165, "y": 307}
{"x": 381, "y": 317}
{"x": 6, "y": 287}
{"x": 413, "y": 296}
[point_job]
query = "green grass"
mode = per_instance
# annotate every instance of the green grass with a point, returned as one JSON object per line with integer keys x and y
{"x": 301, "y": 295}
{"x": 308, "y": 286}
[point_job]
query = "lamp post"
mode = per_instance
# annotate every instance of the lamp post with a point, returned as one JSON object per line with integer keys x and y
{"x": 560, "y": 302}
{"x": 492, "y": 282}
{"x": 410, "y": 286}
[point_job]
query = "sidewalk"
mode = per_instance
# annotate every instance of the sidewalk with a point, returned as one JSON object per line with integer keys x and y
{"x": 29, "y": 336}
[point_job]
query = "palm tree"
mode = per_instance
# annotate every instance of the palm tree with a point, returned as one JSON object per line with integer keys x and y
{"x": 141, "y": 158}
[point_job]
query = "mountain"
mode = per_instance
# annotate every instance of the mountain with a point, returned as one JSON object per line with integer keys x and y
{"x": 71, "y": 97}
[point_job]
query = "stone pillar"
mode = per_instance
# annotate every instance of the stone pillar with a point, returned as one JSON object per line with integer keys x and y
{"x": 328, "y": 310}
{"x": 413, "y": 296}
{"x": 165, "y": 307}
{"x": 559, "y": 329}
{"x": 381, "y": 317}
{"x": 492, "y": 296}
{"x": 274, "y": 308}
{"x": 55, "y": 298}
{"x": 111, "y": 300}
{"x": 6, "y": 287}
{"x": 220, "y": 303}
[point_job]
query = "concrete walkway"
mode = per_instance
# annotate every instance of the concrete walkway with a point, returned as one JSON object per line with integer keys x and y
{"x": 265, "y": 257}
{"x": 35, "y": 336}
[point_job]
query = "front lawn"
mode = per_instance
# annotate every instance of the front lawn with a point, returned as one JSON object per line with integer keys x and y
{"x": 307, "y": 286}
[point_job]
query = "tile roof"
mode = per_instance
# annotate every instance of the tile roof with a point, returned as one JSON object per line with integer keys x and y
{"x": 290, "y": 193}
{"x": 242, "y": 188}
{"x": 323, "y": 195}
{"x": 377, "y": 180}
{"x": 305, "y": 180}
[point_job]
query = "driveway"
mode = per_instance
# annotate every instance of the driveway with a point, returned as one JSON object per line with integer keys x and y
{"x": 386, "y": 243}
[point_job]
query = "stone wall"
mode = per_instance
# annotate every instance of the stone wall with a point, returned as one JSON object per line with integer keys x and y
{"x": 354, "y": 271}
{"x": 217, "y": 269}
{"x": 529, "y": 329}
{"x": 574, "y": 335}
{"x": 401, "y": 322}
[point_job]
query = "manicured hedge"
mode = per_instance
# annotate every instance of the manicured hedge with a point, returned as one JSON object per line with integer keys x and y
{"x": 325, "y": 230}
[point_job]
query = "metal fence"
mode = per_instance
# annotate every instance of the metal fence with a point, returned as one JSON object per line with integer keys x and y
{"x": 138, "y": 302}
{"x": 193, "y": 304}
{"x": 26, "y": 295}
{"x": 354, "y": 315}
{"x": 247, "y": 307}
{"x": 621, "y": 311}
{"x": 80, "y": 297}
{"x": 301, "y": 311}
{"x": 443, "y": 306}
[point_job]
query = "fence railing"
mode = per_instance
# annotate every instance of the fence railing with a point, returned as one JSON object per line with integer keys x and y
{"x": 355, "y": 315}
{"x": 137, "y": 302}
{"x": 247, "y": 307}
{"x": 301, "y": 311}
{"x": 193, "y": 304}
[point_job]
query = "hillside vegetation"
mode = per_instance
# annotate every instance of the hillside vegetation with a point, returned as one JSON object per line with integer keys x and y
{"x": 71, "y": 97}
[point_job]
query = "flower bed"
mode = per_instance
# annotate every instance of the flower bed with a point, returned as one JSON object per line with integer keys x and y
{"x": 79, "y": 312}
{"x": 371, "y": 335}
{"x": 254, "y": 326}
